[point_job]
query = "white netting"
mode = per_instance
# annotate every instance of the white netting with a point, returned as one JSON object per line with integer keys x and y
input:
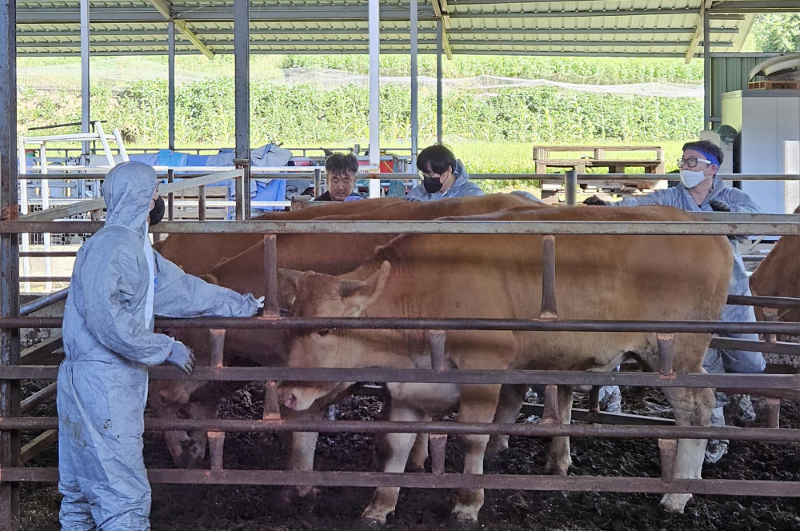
{"x": 120, "y": 72}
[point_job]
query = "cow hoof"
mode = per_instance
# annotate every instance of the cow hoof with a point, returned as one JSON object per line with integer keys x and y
{"x": 675, "y": 503}
{"x": 558, "y": 469}
{"x": 296, "y": 498}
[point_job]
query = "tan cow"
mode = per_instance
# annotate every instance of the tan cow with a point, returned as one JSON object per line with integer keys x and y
{"x": 779, "y": 275}
{"x": 331, "y": 253}
{"x": 653, "y": 278}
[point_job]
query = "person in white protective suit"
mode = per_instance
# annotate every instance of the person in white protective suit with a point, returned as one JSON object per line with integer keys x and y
{"x": 701, "y": 190}
{"x": 118, "y": 284}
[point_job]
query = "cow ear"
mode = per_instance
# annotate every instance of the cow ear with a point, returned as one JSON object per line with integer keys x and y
{"x": 366, "y": 294}
{"x": 287, "y": 285}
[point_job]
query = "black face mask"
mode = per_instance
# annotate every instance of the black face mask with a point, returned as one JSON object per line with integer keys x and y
{"x": 157, "y": 214}
{"x": 431, "y": 185}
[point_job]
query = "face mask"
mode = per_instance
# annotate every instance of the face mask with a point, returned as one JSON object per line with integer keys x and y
{"x": 690, "y": 178}
{"x": 431, "y": 185}
{"x": 157, "y": 214}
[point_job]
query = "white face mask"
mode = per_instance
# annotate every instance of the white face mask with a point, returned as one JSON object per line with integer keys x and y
{"x": 690, "y": 178}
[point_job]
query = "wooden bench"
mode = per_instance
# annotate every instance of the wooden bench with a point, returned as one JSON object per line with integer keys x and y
{"x": 598, "y": 158}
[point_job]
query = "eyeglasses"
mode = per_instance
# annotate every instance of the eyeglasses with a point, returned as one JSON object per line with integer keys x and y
{"x": 691, "y": 162}
{"x": 423, "y": 175}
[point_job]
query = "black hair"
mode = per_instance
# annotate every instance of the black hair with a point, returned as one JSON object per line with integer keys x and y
{"x": 340, "y": 164}
{"x": 436, "y": 159}
{"x": 706, "y": 146}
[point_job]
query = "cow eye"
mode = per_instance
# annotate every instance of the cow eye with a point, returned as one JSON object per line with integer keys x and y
{"x": 322, "y": 333}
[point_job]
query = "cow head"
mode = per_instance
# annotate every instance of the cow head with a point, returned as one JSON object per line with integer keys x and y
{"x": 317, "y": 295}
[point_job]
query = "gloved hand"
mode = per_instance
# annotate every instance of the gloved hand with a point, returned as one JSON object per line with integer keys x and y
{"x": 260, "y": 309}
{"x": 594, "y": 200}
{"x": 182, "y": 357}
{"x": 719, "y": 206}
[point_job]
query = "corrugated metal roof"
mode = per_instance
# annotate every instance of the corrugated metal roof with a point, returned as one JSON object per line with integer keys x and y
{"x": 655, "y": 28}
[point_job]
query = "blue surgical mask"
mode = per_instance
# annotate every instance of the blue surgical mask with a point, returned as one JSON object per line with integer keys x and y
{"x": 691, "y": 178}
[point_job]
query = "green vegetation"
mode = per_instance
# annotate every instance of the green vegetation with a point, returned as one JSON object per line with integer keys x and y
{"x": 777, "y": 32}
{"x": 491, "y": 132}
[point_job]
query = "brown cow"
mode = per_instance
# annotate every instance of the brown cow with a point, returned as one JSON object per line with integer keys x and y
{"x": 653, "y": 278}
{"x": 331, "y": 253}
{"x": 779, "y": 275}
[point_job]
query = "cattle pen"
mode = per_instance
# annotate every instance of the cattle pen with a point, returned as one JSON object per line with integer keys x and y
{"x": 774, "y": 387}
{"x": 175, "y": 20}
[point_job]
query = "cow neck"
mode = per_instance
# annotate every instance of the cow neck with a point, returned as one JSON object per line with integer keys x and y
{"x": 409, "y": 339}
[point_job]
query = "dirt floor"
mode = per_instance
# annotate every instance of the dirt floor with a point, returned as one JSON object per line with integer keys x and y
{"x": 190, "y": 508}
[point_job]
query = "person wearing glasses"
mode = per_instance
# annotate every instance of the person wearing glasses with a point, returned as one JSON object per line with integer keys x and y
{"x": 442, "y": 176}
{"x": 701, "y": 190}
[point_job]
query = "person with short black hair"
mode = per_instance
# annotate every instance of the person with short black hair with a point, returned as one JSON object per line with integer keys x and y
{"x": 340, "y": 172}
{"x": 701, "y": 190}
{"x": 442, "y": 176}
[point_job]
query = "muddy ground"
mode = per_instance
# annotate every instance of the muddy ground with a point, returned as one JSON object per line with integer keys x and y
{"x": 217, "y": 508}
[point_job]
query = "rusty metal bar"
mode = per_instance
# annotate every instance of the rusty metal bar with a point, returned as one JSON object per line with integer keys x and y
{"x": 601, "y": 417}
{"x": 667, "y": 449}
{"x": 403, "y": 323}
{"x": 778, "y": 347}
{"x": 594, "y": 400}
{"x": 44, "y": 279}
{"x": 216, "y": 443}
{"x": 771, "y": 316}
{"x": 550, "y": 415}
{"x": 438, "y": 444}
{"x": 51, "y": 254}
{"x": 727, "y": 487}
{"x": 37, "y": 398}
{"x": 201, "y": 203}
{"x": 620, "y": 228}
{"x": 271, "y": 306}
{"x": 549, "y": 310}
{"x": 450, "y": 428}
{"x": 767, "y": 302}
{"x": 437, "y": 339}
{"x": 753, "y": 383}
{"x": 666, "y": 354}
{"x": 272, "y": 408}
{"x": 36, "y": 353}
{"x": 217, "y": 346}
{"x": 773, "y": 412}
{"x": 38, "y": 445}
{"x": 43, "y": 302}
{"x": 317, "y": 182}
{"x": 170, "y": 196}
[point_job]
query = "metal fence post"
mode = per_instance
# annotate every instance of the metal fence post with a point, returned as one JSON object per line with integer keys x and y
{"x": 572, "y": 187}
{"x": 9, "y": 259}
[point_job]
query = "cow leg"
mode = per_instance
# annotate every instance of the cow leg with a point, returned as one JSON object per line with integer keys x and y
{"x": 477, "y": 404}
{"x": 508, "y": 408}
{"x": 419, "y": 452}
{"x": 302, "y": 448}
{"x": 559, "y": 460}
{"x": 399, "y": 447}
{"x": 692, "y": 408}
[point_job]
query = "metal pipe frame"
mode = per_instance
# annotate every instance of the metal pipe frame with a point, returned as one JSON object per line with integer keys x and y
{"x": 707, "y": 125}
{"x": 697, "y": 228}
{"x": 599, "y": 431}
{"x": 171, "y": 84}
{"x": 10, "y": 446}
{"x": 414, "y": 82}
{"x": 241, "y": 25}
{"x": 632, "y": 485}
{"x": 86, "y": 86}
{"x": 439, "y": 74}
{"x": 761, "y": 382}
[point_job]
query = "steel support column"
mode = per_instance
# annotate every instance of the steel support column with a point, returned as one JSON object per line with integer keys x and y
{"x": 9, "y": 257}
{"x": 707, "y": 125}
{"x": 171, "y": 84}
{"x": 439, "y": 74}
{"x": 86, "y": 90}
{"x": 241, "y": 42}
{"x": 414, "y": 85}
{"x": 374, "y": 95}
